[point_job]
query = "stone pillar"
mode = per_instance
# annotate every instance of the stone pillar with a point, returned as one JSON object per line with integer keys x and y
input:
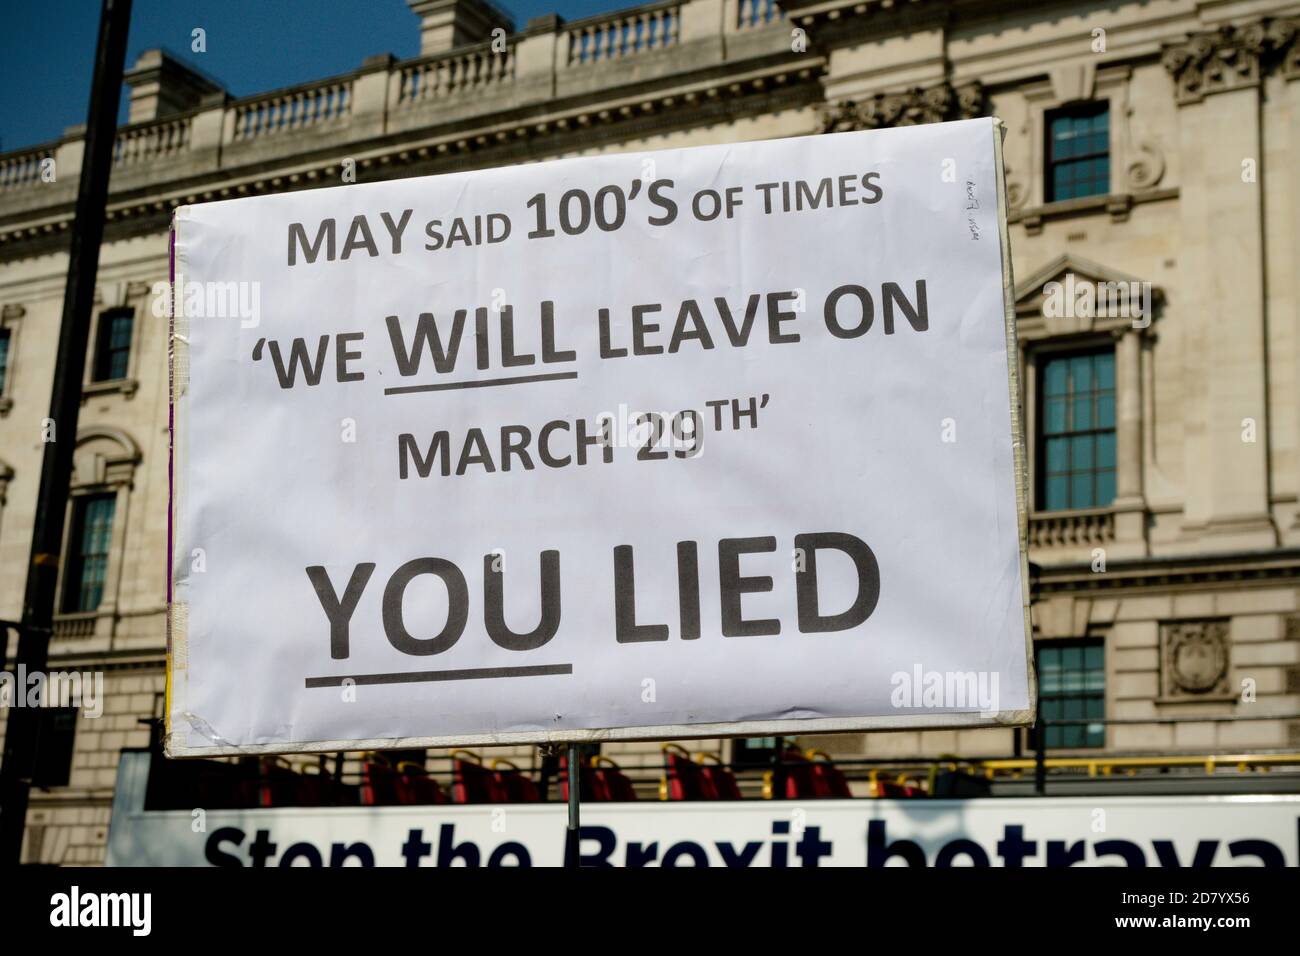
{"x": 71, "y": 153}
{"x": 1286, "y": 36}
{"x": 1221, "y": 305}
{"x": 1130, "y": 500}
{"x": 372, "y": 91}
{"x": 704, "y": 20}
{"x": 537, "y": 56}
{"x": 161, "y": 84}
{"x": 209, "y": 123}
{"x": 447, "y": 24}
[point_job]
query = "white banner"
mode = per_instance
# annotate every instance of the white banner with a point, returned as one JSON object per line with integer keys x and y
{"x": 714, "y": 440}
{"x": 1255, "y": 830}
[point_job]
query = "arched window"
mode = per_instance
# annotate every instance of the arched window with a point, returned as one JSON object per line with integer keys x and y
{"x": 94, "y": 540}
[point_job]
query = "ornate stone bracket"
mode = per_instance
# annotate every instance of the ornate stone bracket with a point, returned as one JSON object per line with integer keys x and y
{"x": 1147, "y": 168}
{"x": 1231, "y": 57}
{"x": 913, "y": 107}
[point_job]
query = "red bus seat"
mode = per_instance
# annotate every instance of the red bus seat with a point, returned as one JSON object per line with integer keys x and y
{"x": 515, "y": 785}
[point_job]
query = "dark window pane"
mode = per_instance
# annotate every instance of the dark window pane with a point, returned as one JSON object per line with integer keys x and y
{"x": 1105, "y": 368}
{"x": 1062, "y": 186}
{"x": 1105, "y": 492}
{"x": 1081, "y": 373}
{"x": 754, "y": 751}
{"x": 1056, "y": 378}
{"x": 1081, "y": 491}
{"x": 1077, "y": 414}
{"x": 1081, "y": 456}
{"x": 4, "y": 357}
{"x": 1078, "y": 152}
{"x": 92, "y": 529}
{"x": 57, "y": 734}
{"x": 1071, "y": 692}
{"x": 113, "y": 345}
{"x": 1106, "y": 410}
{"x": 1082, "y": 419}
{"x": 1057, "y": 455}
{"x": 1106, "y": 450}
{"x": 1057, "y": 493}
{"x": 1054, "y": 417}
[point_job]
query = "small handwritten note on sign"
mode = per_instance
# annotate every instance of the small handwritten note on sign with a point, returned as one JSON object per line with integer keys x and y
{"x": 698, "y": 442}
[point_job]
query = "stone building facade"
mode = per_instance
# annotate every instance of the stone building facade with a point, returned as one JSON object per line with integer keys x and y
{"x": 1151, "y": 150}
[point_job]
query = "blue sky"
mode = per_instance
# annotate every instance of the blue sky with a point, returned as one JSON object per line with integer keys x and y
{"x": 47, "y": 47}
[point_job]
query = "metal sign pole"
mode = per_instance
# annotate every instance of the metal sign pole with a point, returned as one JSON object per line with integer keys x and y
{"x": 22, "y": 731}
{"x": 572, "y": 841}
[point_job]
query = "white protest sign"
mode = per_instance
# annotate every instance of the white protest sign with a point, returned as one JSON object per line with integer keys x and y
{"x": 713, "y": 440}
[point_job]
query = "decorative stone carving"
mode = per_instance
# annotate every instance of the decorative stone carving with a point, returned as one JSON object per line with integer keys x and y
{"x": 1194, "y": 660}
{"x": 972, "y": 102}
{"x": 1230, "y": 57}
{"x": 913, "y": 107}
{"x": 1146, "y": 170}
{"x": 1284, "y": 36}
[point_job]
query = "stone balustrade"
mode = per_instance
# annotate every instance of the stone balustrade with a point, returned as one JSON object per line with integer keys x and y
{"x": 146, "y": 142}
{"x": 22, "y": 168}
{"x": 467, "y": 70}
{"x": 388, "y": 95}
{"x": 754, "y": 14}
{"x": 1066, "y": 529}
{"x": 623, "y": 34}
{"x": 286, "y": 111}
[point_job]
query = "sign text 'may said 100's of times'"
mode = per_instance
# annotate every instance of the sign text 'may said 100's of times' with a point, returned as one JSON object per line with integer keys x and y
{"x": 705, "y": 441}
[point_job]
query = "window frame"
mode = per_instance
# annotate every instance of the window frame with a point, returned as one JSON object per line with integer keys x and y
{"x": 1063, "y": 644}
{"x": 54, "y": 767}
{"x": 1080, "y": 109}
{"x": 75, "y": 562}
{"x": 104, "y": 463}
{"x": 9, "y": 325}
{"x": 102, "y": 355}
{"x": 1042, "y": 359}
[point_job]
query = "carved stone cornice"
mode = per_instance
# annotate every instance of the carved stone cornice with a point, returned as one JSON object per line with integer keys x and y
{"x": 1284, "y": 37}
{"x": 1238, "y": 571}
{"x": 1230, "y": 58}
{"x": 913, "y": 107}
